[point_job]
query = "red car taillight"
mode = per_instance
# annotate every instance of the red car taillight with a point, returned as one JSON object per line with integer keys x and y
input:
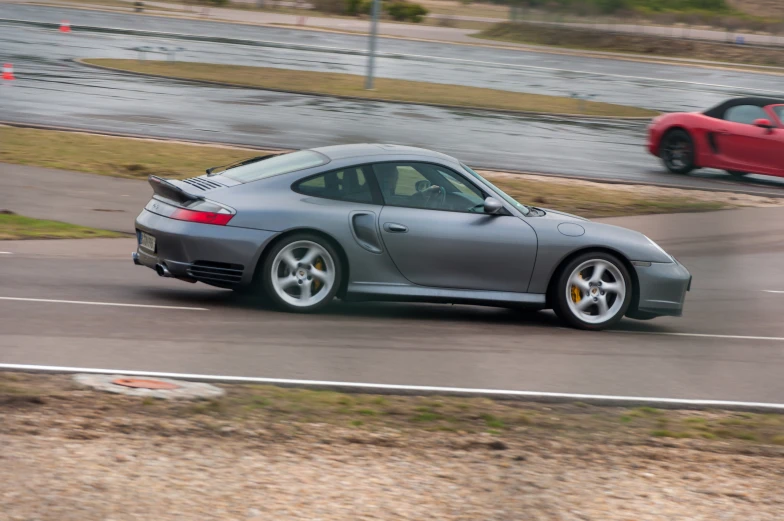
{"x": 195, "y": 216}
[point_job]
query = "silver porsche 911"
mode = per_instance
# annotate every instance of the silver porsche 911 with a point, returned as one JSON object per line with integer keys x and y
{"x": 386, "y": 222}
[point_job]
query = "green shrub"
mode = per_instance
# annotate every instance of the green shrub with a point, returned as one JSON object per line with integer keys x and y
{"x": 330, "y": 6}
{"x": 406, "y": 11}
{"x": 358, "y": 7}
{"x": 617, "y": 6}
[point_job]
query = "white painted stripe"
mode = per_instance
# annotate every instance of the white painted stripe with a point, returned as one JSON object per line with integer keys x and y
{"x": 703, "y": 335}
{"x": 772, "y": 291}
{"x": 370, "y": 387}
{"x": 6, "y": 253}
{"x": 88, "y": 303}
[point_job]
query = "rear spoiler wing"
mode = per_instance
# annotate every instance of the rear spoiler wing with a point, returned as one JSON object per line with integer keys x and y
{"x": 171, "y": 191}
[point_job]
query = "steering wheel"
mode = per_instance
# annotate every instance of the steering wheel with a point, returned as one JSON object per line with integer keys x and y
{"x": 435, "y": 198}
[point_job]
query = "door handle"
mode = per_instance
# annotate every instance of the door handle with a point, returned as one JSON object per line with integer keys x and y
{"x": 395, "y": 228}
{"x": 723, "y": 131}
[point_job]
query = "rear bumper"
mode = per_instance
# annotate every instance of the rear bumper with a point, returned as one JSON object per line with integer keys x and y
{"x": 663, "y": 288}
{"x": 222, "y": 256}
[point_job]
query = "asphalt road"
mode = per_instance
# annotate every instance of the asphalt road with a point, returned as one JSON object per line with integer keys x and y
{"x": 52, "y": 90}
{"x": 707, "y": 354}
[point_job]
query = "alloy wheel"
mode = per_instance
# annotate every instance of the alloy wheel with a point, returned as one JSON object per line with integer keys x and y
{"x": 595, "y": 291}
{"x": 303, "y": 274}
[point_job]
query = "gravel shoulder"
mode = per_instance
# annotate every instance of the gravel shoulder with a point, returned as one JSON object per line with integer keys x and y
{"x": 271, "y": 453}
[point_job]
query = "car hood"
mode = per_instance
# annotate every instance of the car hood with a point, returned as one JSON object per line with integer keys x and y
{"x": 562, "y": 216}
{"x": 567, "y": 233}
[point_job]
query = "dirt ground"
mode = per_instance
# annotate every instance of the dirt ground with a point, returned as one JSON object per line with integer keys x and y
{"x": 643, "y": 44}
{"x": 270, "y": 453}
{"x": 766, "y": 8}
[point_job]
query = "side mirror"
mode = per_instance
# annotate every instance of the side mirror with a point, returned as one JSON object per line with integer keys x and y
{"x": 422, "y": 185}
{"x": 764, "y": 123}
{"x": 493, "y": 206}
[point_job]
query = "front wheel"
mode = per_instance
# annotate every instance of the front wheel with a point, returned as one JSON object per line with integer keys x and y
{"x": 677, "y": 152}
{"x": 302, "y": 273}
{"x": 594, "y": 291}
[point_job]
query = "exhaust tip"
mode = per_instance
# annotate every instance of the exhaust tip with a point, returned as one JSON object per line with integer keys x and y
{"x": 135, "y": 257}
{"x": 162, "y": 270}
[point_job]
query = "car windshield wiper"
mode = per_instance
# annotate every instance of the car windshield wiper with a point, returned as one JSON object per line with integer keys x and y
{"x": 212, "y": 171}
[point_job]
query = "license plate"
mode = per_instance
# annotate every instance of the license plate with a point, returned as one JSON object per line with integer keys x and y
{"x": 147, "y": 241}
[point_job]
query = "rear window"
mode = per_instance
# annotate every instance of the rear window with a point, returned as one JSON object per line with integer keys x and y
{"x": 349, "y": 184}
{"x": 282, "y": 164}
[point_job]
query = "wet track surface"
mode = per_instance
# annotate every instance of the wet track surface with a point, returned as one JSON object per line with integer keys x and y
{"x": 656, "y": 86}
{"x": 50, "y": 89}
{"x": 728, "y": 345}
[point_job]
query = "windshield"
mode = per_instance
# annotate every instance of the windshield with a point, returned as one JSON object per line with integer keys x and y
{"x": 523, "y": 208}
{"x": 779, "y": 110}
{"x": 282, "y": 164}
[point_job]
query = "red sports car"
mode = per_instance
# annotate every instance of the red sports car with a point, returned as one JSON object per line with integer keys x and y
{"x": 742, "y": 136}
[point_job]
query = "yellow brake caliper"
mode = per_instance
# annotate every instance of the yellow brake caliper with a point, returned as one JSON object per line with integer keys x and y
{"x": 319, "y": 265}
{"x": 576, "y": 295}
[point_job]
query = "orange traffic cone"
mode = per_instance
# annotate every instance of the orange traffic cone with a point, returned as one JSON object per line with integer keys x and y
{"x": 8, "y": 71}
{"x": 65, "y": 26}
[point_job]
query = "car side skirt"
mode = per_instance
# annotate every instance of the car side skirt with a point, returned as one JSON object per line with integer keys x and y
{"x": 406, "y": 293}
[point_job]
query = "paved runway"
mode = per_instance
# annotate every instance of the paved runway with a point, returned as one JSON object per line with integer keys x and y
{"x": 728, "y": 346}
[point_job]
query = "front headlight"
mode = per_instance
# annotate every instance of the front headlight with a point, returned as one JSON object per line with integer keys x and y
{"x": 658, "y": 247}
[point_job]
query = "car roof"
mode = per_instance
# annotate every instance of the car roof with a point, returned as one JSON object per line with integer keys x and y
{"x": 718, "y": 110}
{"x": 370, "y": 150}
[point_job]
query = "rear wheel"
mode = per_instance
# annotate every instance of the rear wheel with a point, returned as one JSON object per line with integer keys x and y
{"x": 677, "y": 151}
{"x": 302, "y": 273}
{"x": 593, "y": 291}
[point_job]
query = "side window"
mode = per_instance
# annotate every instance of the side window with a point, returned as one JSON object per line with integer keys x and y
{"x": 349, "y": 184}
{"x": 463, "y": 186}
{"x": 427, "y": 186}
{"x": 745, "y": 114}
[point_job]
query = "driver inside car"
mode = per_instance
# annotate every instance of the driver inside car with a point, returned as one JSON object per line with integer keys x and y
{"x": 388, "y": 177}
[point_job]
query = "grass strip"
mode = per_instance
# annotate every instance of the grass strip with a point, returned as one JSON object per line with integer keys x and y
{"x": 250, "y": 406}
{"x": 18, "y": 227}
{"x": 351, "y": 85}
{"x": 113, "y": 156}
{"x": 138, "y": 158}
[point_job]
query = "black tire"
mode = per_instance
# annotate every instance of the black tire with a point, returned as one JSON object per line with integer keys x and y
{"x": 677, "y": 151}
{"x": 268, "y": 266}
{"x": 736, "y": 173}
{"x": 617, "y": 308}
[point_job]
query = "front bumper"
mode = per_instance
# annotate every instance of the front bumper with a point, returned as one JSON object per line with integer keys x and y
{"x": 654, "y": 136}
{"x": 224, "y": 256}
{"x": 663, "y": 288}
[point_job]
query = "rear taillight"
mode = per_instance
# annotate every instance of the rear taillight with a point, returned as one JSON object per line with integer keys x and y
{"x": 196, "y": 216}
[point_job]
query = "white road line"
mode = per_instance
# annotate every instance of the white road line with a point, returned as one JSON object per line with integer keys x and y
{"x": 702, "y": 335}
{"x": 371, "y": 387}
{"x": 772, "y": 291}
{"x": 6, "y": 253}
{"x": 88, "y": 303}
